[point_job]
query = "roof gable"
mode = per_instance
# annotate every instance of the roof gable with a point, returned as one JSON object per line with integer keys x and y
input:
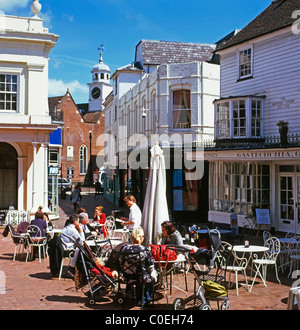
{"x": 277, "y": 16}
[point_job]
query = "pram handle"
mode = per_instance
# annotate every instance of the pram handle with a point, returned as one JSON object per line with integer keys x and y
{"x": 179, "y": 248}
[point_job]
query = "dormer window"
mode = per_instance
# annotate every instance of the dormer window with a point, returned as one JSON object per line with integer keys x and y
{"x": 239, "y": 117}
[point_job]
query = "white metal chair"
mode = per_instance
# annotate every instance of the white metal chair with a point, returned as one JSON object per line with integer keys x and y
{"x": 232, "y": 264}
{"x": 110, "y": 226}
{"x": 19, "y": 241}
{"x": 68, "y": 254}
{"x": 294, "y": 253}
{"x": 269, "y": 258}
{"x": 266, "y": 235}
{"x": 35, "y": 241}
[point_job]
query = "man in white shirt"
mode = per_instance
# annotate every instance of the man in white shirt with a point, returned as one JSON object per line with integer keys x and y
{"x": 135, "y": 215}
{"x": 71, "y": 233}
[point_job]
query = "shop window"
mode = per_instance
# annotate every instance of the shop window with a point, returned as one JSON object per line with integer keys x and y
{"x": 185, "y": 192}
{"x": 239, "y": 187}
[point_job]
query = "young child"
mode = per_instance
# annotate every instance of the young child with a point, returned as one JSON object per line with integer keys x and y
{"x": 108, "y": 271}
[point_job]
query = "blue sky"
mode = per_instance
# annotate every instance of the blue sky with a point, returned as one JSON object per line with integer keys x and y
{"x": 120, "y": 25}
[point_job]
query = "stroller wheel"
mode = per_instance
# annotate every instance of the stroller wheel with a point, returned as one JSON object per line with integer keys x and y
{"x": 91, "y": 301}
{"x": 178, "y": 304}
{"x": 205, "y": 307}
{"x": 225, "y": 306}
{"x": 119, "y": 298}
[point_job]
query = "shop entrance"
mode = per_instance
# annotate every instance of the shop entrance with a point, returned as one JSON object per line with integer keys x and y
{"x": 289, "y": 206}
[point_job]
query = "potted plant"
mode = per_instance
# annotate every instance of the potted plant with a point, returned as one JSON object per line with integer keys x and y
{"x": 283, "y": 128}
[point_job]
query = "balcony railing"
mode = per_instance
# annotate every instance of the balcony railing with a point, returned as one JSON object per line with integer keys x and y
{"x": 271, "y": 141}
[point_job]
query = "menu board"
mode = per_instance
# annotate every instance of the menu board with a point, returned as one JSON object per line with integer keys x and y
{"x": 262, "y": 216}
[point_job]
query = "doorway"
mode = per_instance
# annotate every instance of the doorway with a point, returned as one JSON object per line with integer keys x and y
{"x": 8, "y": 176}
{"x": 289, "y": 206}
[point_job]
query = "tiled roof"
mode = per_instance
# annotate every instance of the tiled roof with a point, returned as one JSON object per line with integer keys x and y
{"x": 92, "y": 117}
{"x": 277, "y": 16}
{"x": 168, "y": 52}
{"x": 55, "y": 113}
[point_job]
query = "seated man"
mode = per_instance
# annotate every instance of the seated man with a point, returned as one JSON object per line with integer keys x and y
{"x": 88, "y": 230}
{"x": 71, "y": 234}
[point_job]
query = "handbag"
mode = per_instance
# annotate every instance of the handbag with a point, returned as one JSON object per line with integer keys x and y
{"x": 162, "y": 253}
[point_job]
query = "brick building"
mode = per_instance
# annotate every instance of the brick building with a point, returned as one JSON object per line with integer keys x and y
{"x": 81, "y": 138}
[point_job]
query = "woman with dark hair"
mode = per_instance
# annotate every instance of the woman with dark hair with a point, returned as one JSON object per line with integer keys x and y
{"x": 170, "y": 235}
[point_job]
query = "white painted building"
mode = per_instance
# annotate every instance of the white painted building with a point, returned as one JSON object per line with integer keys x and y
{"x": 166, "y": 93}
{"x": 249, "y": 167}
{"x": 25, "y": 124}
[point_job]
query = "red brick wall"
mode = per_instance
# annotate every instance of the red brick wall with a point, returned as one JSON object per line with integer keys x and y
{"x": 76, "y": 133}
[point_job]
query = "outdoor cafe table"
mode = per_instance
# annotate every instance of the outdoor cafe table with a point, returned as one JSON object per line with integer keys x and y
{"x": 165, "y": 269}
{"x": 114, "y": 242}
{"x": 247, "y": 252}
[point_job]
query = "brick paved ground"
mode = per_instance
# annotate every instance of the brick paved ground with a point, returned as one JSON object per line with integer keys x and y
{"x": 29, "y": 286}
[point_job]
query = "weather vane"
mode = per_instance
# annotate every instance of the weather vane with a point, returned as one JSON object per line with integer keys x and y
{"x": 101, "y": 49}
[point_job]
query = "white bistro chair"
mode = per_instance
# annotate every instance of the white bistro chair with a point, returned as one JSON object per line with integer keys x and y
{"x": 269, "y": 258}
{"x": 35, "y": 241}
{"x": 233, "y": 264}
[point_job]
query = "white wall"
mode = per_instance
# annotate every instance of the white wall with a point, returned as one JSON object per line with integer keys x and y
{"x": 276, "y": 75}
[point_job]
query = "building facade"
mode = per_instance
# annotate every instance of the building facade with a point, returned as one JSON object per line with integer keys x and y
{"x": 161, "y": 98}
{"x": 25, "y": 121}
{"x": 251, "y": 166}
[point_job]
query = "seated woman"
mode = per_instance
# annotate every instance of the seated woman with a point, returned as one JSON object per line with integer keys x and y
{"x": 100, "y": 217}
{"x": 148, "y": 271}
{"x": 170, "y": 235}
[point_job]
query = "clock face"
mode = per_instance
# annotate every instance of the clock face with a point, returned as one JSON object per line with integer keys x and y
{"x": 96, "y": 92}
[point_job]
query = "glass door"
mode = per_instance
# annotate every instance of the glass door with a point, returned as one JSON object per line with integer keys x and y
{"x": 289, "y": 205}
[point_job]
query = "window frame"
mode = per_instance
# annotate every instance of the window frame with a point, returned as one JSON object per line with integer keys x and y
{"x": 239, "y": 186}
{"x": 6, "y": 92}
{"x": 239, "y": 64}
{"x": 235, "y": 121}
{"x": 83, "y": 148}
{"x": 188, "y": 110}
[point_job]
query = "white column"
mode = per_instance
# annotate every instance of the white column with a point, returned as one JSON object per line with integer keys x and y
{"x": 33, "y": 203}
{"x": 21, "y": 183}
{"x": 45, "y": 190}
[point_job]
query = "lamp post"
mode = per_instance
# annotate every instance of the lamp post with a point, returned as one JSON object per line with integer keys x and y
{"x": 91, "y": 173}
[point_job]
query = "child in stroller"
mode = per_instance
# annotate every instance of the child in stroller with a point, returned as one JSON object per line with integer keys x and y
{"x": 91, "y": 270}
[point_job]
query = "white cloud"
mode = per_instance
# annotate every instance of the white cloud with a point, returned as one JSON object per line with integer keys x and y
{"x": 7, "y": 5}
{"x": 80, "y": 92}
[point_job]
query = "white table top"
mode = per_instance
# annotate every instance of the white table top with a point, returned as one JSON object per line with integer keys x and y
{"x": 114, "y": 242}
{"x": 53, "y": 231}
{"x": 251, "y": 248}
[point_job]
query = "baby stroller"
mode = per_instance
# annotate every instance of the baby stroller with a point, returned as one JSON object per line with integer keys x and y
{"x": 88, "y": 272}
{"x": 201, "y": 263}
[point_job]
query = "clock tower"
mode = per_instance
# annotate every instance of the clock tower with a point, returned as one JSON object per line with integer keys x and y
{"x": 100, "y": 86}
